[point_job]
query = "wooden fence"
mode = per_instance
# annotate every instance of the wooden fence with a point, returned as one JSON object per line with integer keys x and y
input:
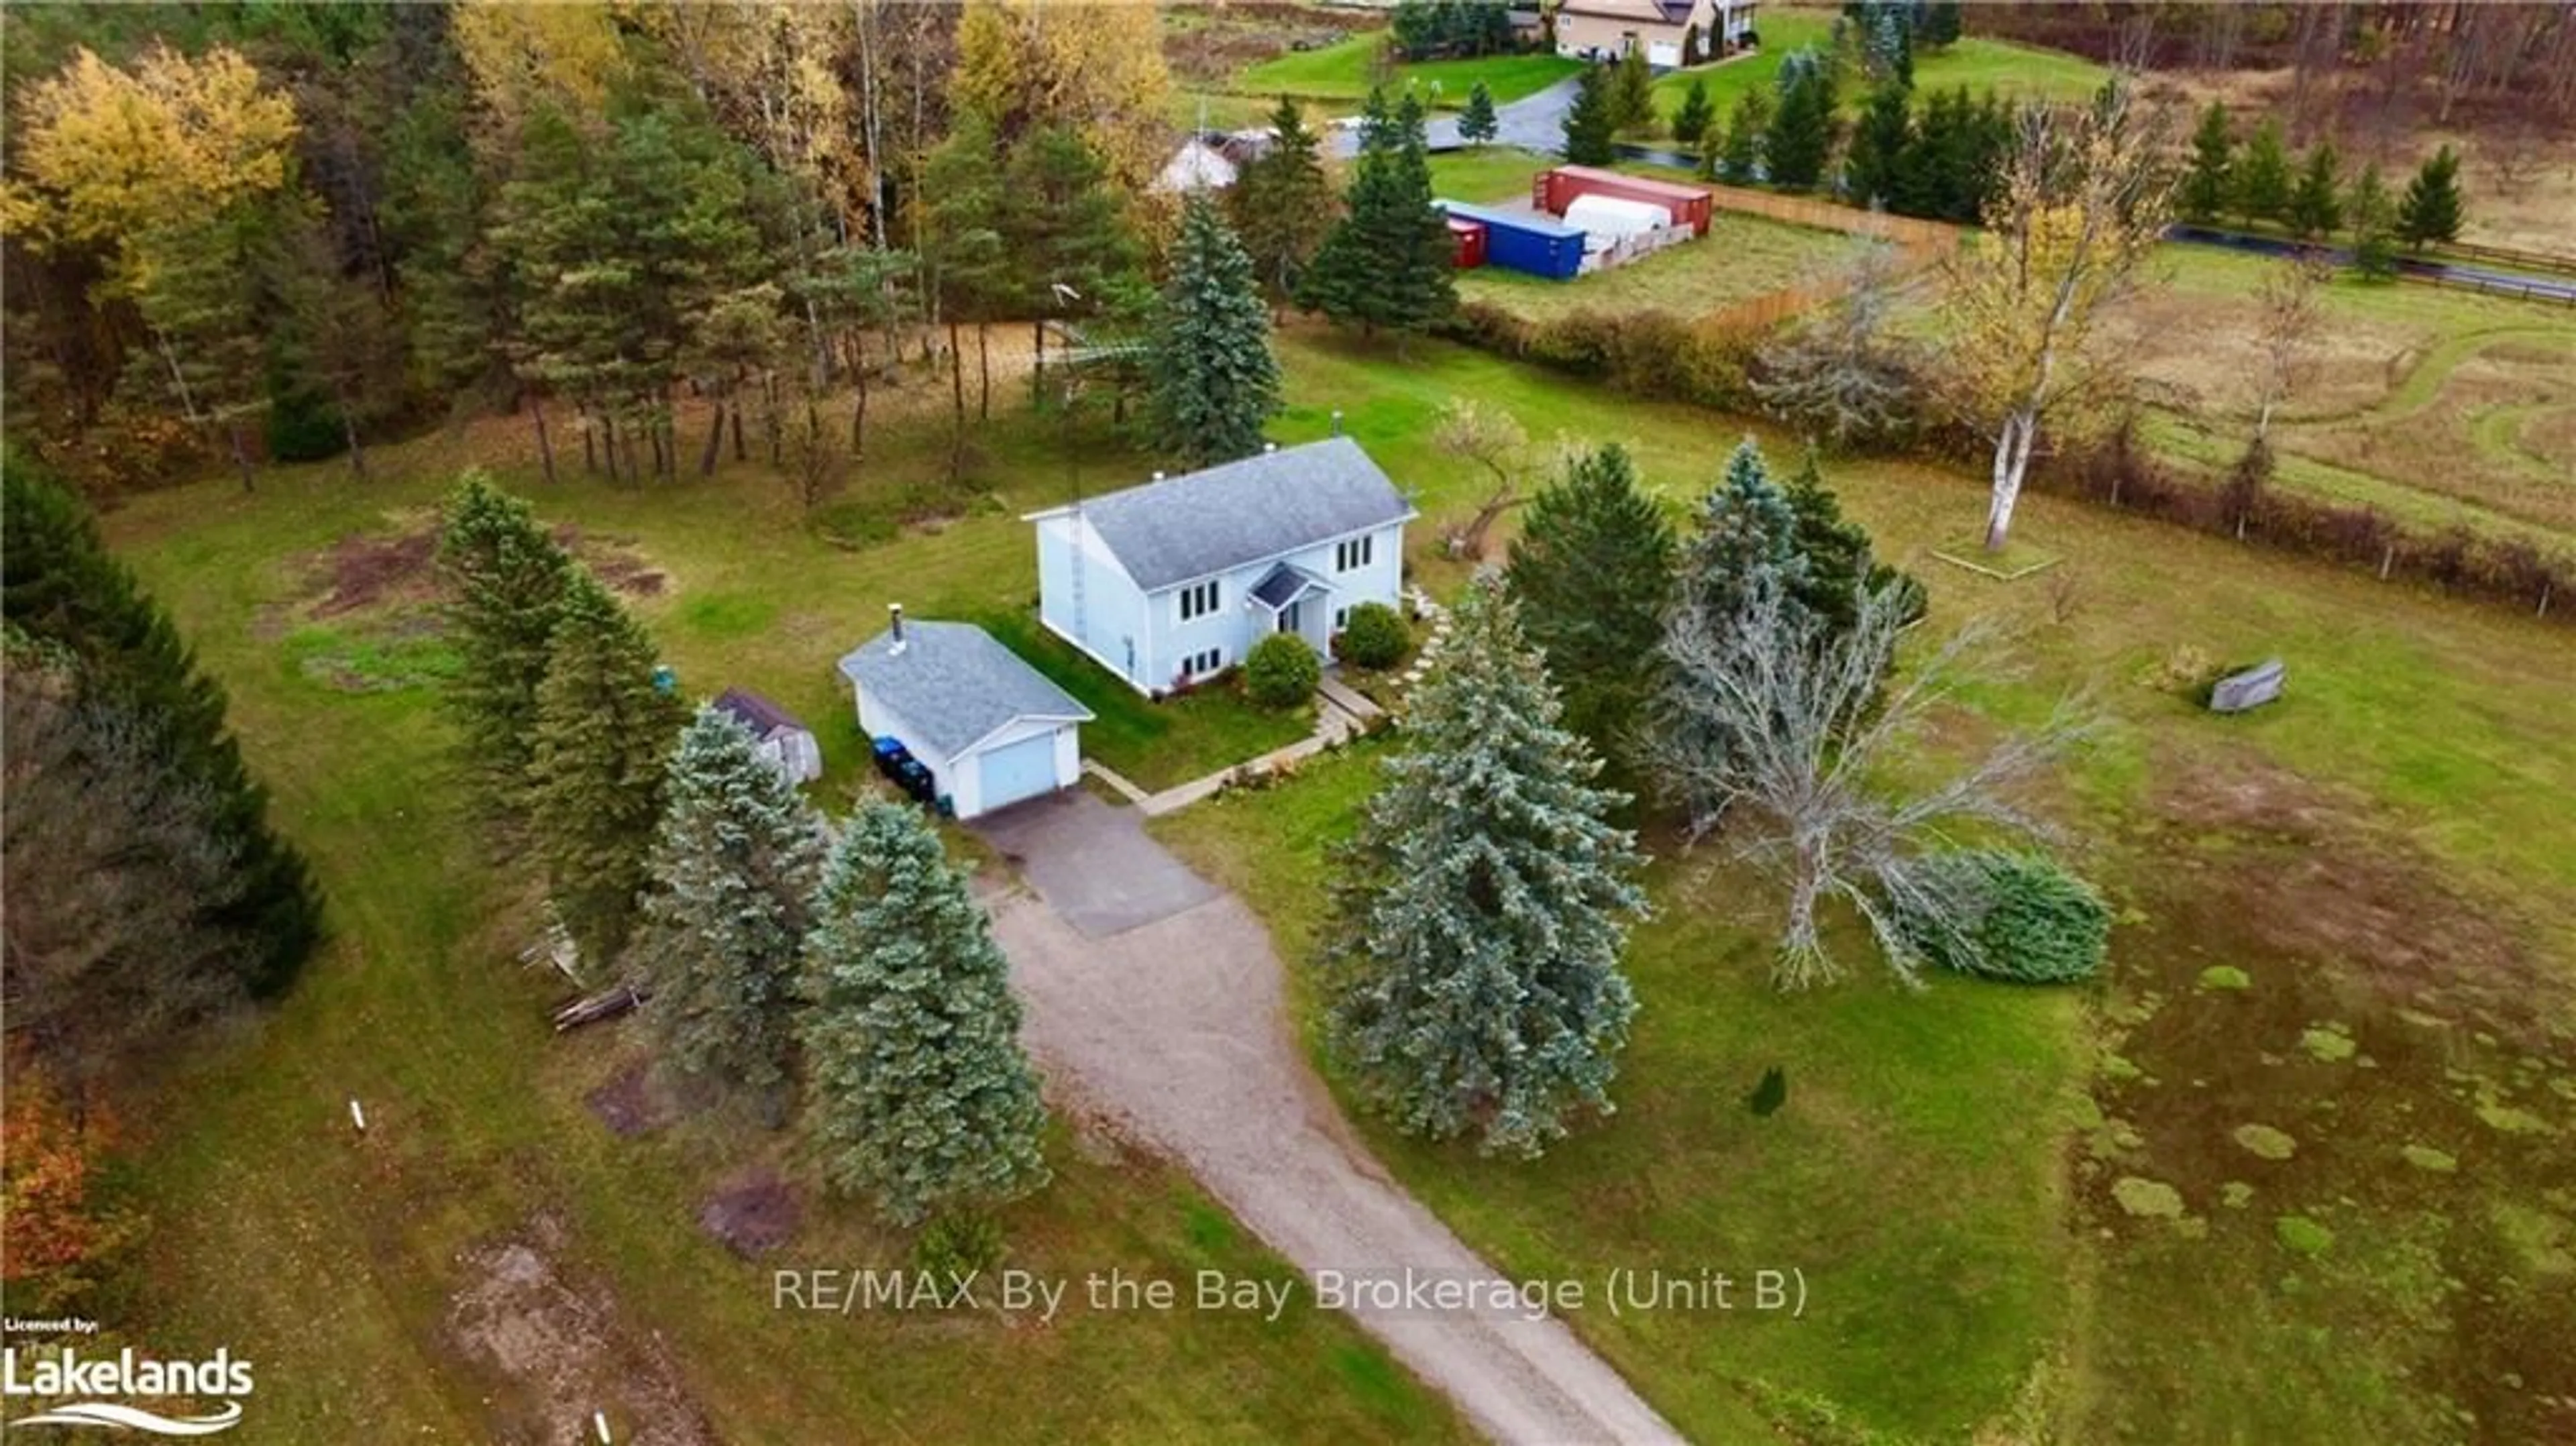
{"x": 1918, "y": 244}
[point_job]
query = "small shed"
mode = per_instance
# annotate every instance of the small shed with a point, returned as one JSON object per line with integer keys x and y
{"x": 787, "y": 744}
{"x": 992, "y": 730}
{"x": 1468, "y": 237}
{"x": 1523, "y": 240}
{"x": 1606, "y": 219}
{"x": 1553, "y": 191}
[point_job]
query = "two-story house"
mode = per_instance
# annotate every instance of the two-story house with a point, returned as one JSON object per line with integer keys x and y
{"x": 1176, "y": 580}
{"x": 1664, "y": 29}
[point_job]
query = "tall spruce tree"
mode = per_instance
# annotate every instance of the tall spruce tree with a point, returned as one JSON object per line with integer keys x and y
{"x": 1283, "y": 205}
{"x": 1940, "y": 23}
{"x": 2209, "y": 186}
{"x": 1588, "y": 122}
{"x": 1698, "y": 113}
{"x": 722, "y": 932}
{"x": 1743, "y": 544}
{"x": 2263, "y": 176}
{"x": 1739, "y": 159}
{"x": 1387, "y": 263}
{"x": 1801, "y": 135}
{"x": 61, "y": 588}
{"x": 1214, "y": 379}
{"x": 2373, "y": 219}
{"x": 918, "y": 1095}
{"x": 1871, "y": 168}
{"x": 1590, "y": 572}
{"x": 2431, "y": 210}
{"x": 1478, "y": 124}
{"x": 1835, "y": 559}
{"x": 604, "y": 730}
{"x": 1632, "y": 93}
{"x": 2316, "y": 202}
{"x": 1472, "y": 971}
{"x": 1745, "y": 525}
{"x": 504, "y": 579}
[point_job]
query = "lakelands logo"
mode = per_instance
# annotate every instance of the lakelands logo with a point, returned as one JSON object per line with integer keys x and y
{"x": 30, "y": 1377}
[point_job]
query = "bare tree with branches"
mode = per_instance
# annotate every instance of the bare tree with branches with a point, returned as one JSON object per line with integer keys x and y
{"x": 1838, "y": 375}
{"x": 1809, "y": 783}
{"x": 1493, "y": 440}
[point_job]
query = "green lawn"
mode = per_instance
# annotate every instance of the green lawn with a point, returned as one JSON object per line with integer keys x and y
{"x": 332, "y": 1261}
{"x": 1486, "y": 173}
{"x": 1153, "y": 745}
{"x": 1943, "y": 1172}
{"x": 1344, "y": 71}
{"x": 2389, "y": 843}
{"x": 1740, "y": 258}
{"x": 2015, "y": 71}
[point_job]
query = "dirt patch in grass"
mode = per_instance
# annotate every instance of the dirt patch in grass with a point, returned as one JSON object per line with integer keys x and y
{"x": 2396, "y": 1305}
{"x": 629, "y": 1104}
{"x": 561, "y": 1354}
{"x": 399, "y": 570}
{"x": 754, "y": 1214}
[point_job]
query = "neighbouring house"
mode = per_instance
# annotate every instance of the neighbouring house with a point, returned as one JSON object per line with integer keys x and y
{"x": 1559, "y": 190}
{"x": 787, "y": 744}
{"x": 1212, "y": 160}
{"x": 1174, "y": 581}
{"x": 1609, "y": 29}
{"x": 1519, "y": 240}
{"x": 992, "y": 730}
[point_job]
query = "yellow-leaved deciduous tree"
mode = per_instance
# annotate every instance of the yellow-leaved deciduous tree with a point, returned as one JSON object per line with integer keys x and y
{"x": 173, "y": 173}
{"x": 2081, "y": 202}
{"x": 1096, "y": 68}
{"x": 566, "y": 56}
{"x": 106, "y": 152}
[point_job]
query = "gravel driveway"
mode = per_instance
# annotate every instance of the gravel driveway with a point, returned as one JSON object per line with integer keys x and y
{"x": 1174, "y": 1033}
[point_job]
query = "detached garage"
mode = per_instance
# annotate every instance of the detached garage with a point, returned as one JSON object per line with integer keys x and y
{"x": 992, "y": 730}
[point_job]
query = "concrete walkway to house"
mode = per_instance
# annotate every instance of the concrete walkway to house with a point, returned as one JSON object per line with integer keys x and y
{"x": 1173, "y": 1033}
{"x": 1340, "y": 713}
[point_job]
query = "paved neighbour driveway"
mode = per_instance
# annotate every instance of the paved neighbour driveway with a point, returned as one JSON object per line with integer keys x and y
{"x": 1534, "y": 122}
{"x": 1171, "y": 1030}
{"x": 1092, "y": 864}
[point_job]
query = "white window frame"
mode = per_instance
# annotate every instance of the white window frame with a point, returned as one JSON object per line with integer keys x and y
{"x": 1353, "y": 553}
{"x": 1199, "y": 600}
{"x": 1204, "y": 663}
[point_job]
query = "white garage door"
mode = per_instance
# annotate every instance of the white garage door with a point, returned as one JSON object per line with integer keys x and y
{"x": 1016, "y": 771}
{"x": 1663, "y": 55}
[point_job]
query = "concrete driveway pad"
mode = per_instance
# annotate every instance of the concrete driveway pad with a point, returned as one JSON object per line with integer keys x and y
{"x": 1092, "y": 863}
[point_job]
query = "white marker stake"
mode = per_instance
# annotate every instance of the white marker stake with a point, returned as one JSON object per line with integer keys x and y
{"x": 600, "y": 1420}
{"x": 358, "y": 1115}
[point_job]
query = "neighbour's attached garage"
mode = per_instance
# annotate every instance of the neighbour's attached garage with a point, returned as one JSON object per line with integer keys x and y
{"x": 992, "y": 730}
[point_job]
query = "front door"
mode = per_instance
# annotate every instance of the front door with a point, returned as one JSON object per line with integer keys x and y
{"x": 1290, "y": 618}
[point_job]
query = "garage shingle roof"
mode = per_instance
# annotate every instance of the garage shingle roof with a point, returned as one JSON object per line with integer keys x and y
{"x": 1203, "y": 523}
{"x": 955, "y": 684}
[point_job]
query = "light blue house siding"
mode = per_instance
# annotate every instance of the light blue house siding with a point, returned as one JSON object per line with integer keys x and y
{"x": 1288, "y": 541}
{"x": 1106, "y": 615}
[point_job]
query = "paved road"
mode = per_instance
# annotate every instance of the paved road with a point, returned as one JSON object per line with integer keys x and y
{"x": 1534, "y": 122}
{"x": 1174, "y": 1034}
{"x": 2542, "y": 287}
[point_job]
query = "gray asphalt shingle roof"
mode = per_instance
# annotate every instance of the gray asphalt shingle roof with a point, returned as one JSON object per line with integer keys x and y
{"x": 954, "y": 683}
{"x": 1201, "y": 523}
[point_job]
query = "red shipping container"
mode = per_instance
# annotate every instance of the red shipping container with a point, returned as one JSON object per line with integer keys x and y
{"x": 1553, "y": 191}
{"x": 1469, "y": 237}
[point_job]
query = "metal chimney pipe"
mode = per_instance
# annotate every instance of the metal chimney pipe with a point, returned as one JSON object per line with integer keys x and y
{"x": 895, "y": 611}
{"x": 1337, "y": 421}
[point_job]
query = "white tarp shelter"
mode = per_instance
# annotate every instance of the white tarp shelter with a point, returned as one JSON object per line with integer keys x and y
{"x": 1614, "y": 218}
